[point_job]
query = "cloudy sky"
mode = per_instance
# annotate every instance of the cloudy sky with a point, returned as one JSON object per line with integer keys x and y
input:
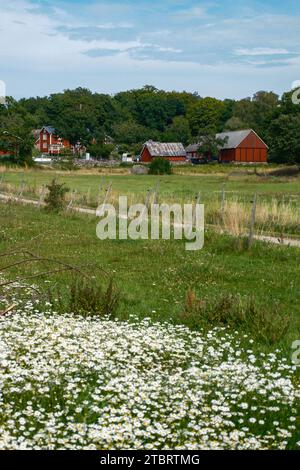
{"x": 228, "y": 48}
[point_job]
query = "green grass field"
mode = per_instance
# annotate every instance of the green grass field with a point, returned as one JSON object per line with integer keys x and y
{"x": 181, "y": 186}
{"x": 154, "y": 276}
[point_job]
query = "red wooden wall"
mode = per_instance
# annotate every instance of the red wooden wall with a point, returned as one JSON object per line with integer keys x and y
{"x": 251, "y": 150}
{"x": 44, "y": 144}
{"x": 145, "y": 155}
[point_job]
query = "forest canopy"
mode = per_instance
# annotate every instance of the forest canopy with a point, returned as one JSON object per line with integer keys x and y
{"x": 132, "y": 117}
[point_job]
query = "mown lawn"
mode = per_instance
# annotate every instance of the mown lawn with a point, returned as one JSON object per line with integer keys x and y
{"x": 154, "y": 276}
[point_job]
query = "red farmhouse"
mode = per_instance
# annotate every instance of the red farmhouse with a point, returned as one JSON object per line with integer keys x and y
{"x": 47, "y": 141}
{"x": 174, "y": 152}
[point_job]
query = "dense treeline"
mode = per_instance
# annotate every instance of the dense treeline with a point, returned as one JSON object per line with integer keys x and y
{"x": 132, "y": 117}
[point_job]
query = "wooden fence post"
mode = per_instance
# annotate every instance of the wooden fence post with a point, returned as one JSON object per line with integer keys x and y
{"x": 156, "y": 190}
{"x": 73, "y": 197}
{"x": 100, "y": 189}
{"x": 148, "y": 195}
{"x": 88, "y": 195}
{"x": 147, "y": 203}
{"x": 107, "y": 194}
{"x": 42, "y": 196}
{"x": 223, "y": 200}
{"x": 22, "y": 187}
{"x": 106, "y": 197}
{"x": 252, "y": 222}
{"x": 198, "y": 199}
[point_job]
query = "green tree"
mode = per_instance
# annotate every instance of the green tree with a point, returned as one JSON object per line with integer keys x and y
{"x": 255, "y": 113}
{"x": 205, "y": 116}
{"x": 227, "y": 113}
{"x": 130, "y": 132}
{"x": 210, "y": 145}
{"x": 284, "y": 137}
{"x": 79, "y": 114}
{"x": 16, "y": 137}
{"x": 100, "y": 150}
{"x": 178, "y": 131}
{"x": 234, "y": 124}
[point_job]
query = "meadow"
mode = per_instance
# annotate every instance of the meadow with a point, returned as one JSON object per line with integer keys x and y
{"x": 154, "y": 277}
{"x": 226, "y": 191}
{"x": 215, "y": 327}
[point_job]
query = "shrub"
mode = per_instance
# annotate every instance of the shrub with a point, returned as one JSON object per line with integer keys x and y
{"x": 55, "y": 199}
{"x": 100, "y": 150}
{"x": 261, "y": 321}
{"x": 160, "y": 166}
{"x": 87, "y": 298}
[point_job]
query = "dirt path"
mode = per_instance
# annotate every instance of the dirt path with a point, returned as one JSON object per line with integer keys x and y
{"x": 83, "y": 210}
{"x": 278, "y": 241}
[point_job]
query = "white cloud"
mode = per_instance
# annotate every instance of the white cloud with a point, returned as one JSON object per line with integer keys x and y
{"x": 260, "y": 51}
{"x": 115, "y": 25}
{"x": 192, "y": 13}
{"x": 32, "y": 39}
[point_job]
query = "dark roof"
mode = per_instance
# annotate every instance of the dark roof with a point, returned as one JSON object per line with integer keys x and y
{"x": 169, "y": 149}
{"x": 234, "y": 139}
{"x": 49, "y": 129}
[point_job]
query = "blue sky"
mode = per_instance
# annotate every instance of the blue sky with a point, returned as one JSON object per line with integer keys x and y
{"x": 219, "y": 48}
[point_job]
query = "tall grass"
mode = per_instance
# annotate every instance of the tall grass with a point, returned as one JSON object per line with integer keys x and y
{"x": 271, "y": 217}
{"x": 275, "y": 215}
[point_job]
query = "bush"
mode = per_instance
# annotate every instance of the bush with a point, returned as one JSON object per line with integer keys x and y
{"x": 55, "y": 199}
{"x": 160, "y": 166}
{"x": 100, "y": 150}
{"x": 265, "y": 324}
{"x": 88, "y": 298}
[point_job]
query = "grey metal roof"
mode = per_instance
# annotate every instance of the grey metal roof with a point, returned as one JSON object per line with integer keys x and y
{"x": 192, "y": 148}
{"x": 49, "y": 129}
{"x": 234, "y": 138}
{"x": 170, "y": 149}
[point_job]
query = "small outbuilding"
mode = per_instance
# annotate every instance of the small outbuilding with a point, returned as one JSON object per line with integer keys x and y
{"x": 174, "y": 152}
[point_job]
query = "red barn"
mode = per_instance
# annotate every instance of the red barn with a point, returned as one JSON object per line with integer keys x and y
{"x": 239, "y": 146}
{"x": 47, "y": 141}
{"x": 243, "y": 146}
{"x": 173, "y": 152}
